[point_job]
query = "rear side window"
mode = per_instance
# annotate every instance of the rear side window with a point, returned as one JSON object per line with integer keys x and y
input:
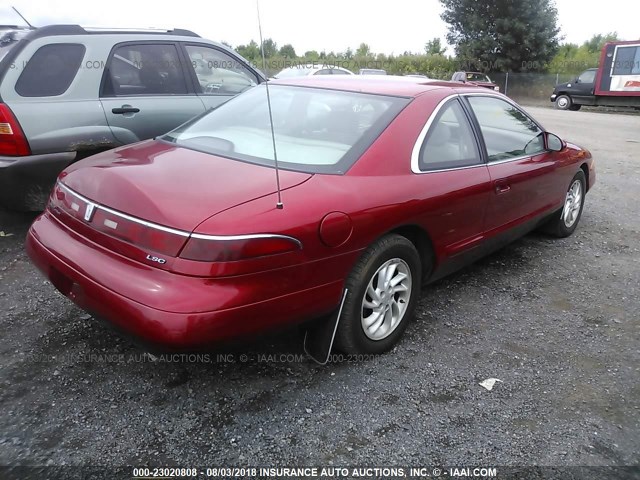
{"x": 450, "y": 142}
{"x": 50, "y": 70}
{"x": 146, "y": 69}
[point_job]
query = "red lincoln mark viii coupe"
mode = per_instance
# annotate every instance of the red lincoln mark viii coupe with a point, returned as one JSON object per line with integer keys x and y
{"x": 387, "y": 184}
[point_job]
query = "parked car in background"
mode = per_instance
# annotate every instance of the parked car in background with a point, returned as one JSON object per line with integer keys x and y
{"x": 387, "y": 184}
{"x": 67, "y": 92}
{"x": 615, "y": 83}
{"x": 311, "y": 69}
{"x": 372, "y": 71}
{"x": 475, "y": 78}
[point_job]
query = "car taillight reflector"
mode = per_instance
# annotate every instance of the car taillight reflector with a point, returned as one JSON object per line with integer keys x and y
{"x": 230, "y": 249}
{"x": 12, "y": 140}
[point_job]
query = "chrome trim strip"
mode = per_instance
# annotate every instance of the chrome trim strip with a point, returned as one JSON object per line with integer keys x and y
{"x": 454, "y": 168}
{"x": 514, "y": 159}
{"x": 124, "y": 215}
{"x": 415, "y": 153}
{"x": 225, "y": 238}
{"x": 182, "y": 233}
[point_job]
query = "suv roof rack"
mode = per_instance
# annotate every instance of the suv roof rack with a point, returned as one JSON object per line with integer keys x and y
{"x": 50, "y": 30}
{"x": 172, "y": 31}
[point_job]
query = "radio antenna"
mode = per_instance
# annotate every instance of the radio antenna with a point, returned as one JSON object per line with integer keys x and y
{"x": 26, "y": 21}
{"x": 279, "y": 205}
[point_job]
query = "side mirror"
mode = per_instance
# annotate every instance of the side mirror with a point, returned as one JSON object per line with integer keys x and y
{"x": 554, "y": 142}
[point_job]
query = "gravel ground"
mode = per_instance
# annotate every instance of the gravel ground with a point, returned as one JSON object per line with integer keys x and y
{"x": 552, "y": 319}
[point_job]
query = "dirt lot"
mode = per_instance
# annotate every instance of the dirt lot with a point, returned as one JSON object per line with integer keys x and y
{"x": 556, "y": 320}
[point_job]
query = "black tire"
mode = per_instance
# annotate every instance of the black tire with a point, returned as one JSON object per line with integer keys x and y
{"x": 575, "y": 108}
{"x": 351, "y": 336}
{"x": 563, "y": 102}
{"x": 558, "y": 226}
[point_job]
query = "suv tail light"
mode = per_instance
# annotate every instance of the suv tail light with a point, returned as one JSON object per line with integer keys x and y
{"x": 205, "y": 248}
{"x": 12, "y": 140}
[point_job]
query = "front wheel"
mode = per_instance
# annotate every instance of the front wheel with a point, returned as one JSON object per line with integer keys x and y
{"x": 564, "y": 102}
{"x": 383, "y": 291}
{"x": 564, "y": 223}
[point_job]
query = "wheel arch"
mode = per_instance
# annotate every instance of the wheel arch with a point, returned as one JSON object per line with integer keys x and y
{"x": 585, "y": 168}
{"x": 422, "y": 241}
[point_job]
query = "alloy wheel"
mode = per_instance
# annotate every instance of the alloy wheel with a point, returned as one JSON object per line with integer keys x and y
{"x": 572, "y": 204}
{"x": 386, "y": 299}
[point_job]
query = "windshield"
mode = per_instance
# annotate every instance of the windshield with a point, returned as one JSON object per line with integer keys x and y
{"x": 293, "y": 72}
{"x": 8, "y": 38}
{"x": 316, "y": 130}
{"x": 478, "y": 77}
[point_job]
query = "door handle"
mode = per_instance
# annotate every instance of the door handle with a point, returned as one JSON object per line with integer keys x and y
{"x": 125, "y": 109}
{"x": 502, "y": 187}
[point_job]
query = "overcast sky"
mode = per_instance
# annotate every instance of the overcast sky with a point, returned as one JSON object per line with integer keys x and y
{"x": 333, "y": 25}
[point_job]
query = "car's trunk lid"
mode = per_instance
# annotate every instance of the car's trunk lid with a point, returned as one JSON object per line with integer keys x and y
{"x": 172, "y": 186}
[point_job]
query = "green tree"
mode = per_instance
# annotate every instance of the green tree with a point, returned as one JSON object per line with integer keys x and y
{"x": 363, "y": 50}
{"x": 288, "y": 51}
{"x": 518, "y": 35}
{"x": 312, "y": 55}
{"x": 595, "y": 43}
{"x": 434, "y": 47}
{"x": 250, "y": 51}
{"x": 270, "y": 48}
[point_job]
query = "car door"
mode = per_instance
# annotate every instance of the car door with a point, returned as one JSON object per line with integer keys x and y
{"x": 145, "y": 92}
{"x": 454, "y": 178}
{"x": 521, "y": 169}
{"x": 217, "y": 75}
{"x": 584, "y": 83}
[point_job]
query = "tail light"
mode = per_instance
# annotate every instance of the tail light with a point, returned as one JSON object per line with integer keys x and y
{"x": 12, "y": 140}
{"x": 165, "y": 240}
{"x": 207, "y": 248}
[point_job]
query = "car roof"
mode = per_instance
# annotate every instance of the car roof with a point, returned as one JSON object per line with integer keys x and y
{"x": 374, "y": 84}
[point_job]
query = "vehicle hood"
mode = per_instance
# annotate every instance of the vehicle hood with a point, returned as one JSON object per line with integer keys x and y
{"x": 483, "y": 84}
{"x": 171, "y": 185}
{"x": 561, "y": 86}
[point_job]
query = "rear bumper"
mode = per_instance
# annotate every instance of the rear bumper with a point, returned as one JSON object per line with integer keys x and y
{"x": 25, "y": 182}
{"x": 172, "y": 326}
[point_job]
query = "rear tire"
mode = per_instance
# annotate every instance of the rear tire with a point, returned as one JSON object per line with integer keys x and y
{"x": 384, "y": 287}
{"x": 563, "y": 102}
{"x": 564, "y": 222}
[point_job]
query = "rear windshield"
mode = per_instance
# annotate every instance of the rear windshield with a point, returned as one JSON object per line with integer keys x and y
{"x": 478, "y": 77}
{"x": 316, "y": 130}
